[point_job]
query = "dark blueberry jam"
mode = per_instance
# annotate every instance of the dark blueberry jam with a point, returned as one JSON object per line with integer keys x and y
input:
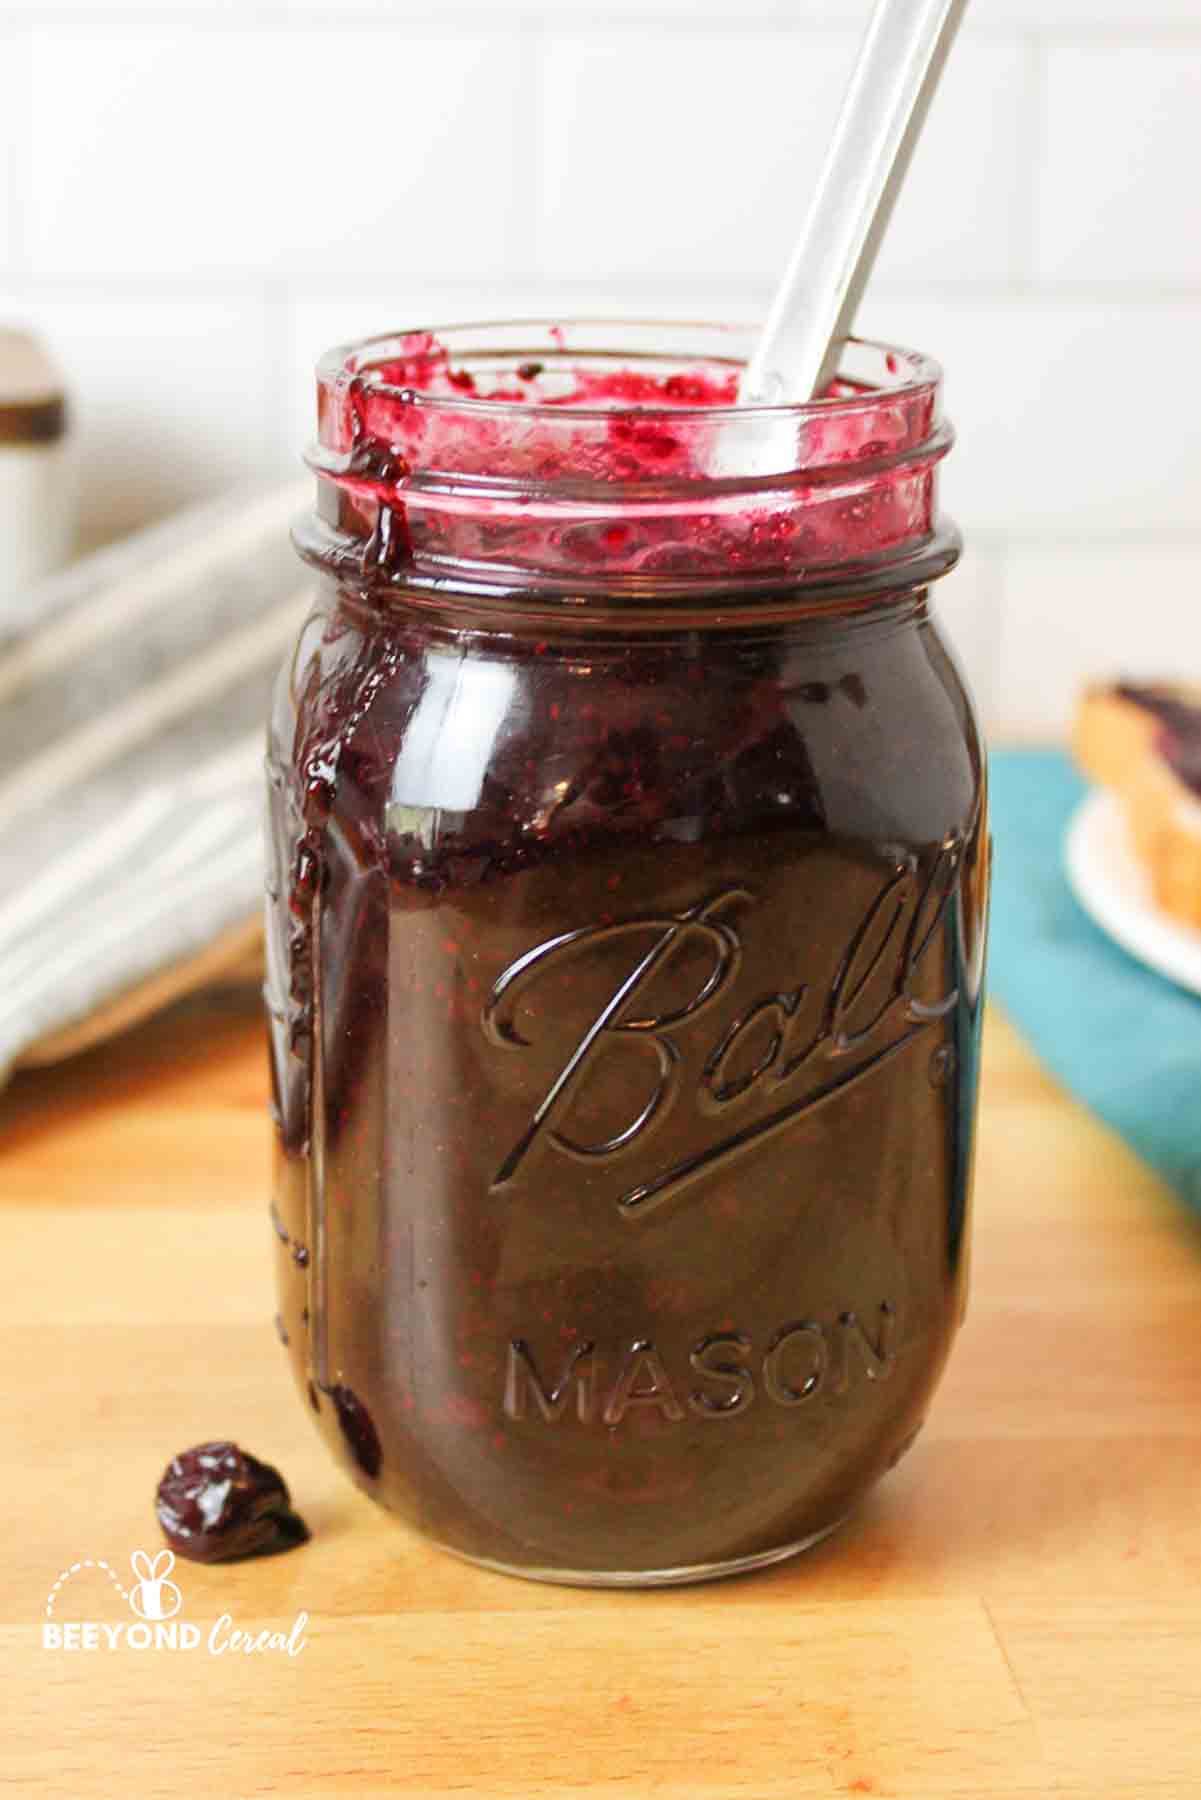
{"x": 1178, "y": 739}
{"x": 625, "y": 987}
{"x": 1180, "y": 748}
{"x": 1165, "y": 704}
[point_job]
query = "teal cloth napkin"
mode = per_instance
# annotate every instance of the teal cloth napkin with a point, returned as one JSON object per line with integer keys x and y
{"x": 1124, "y": 1040}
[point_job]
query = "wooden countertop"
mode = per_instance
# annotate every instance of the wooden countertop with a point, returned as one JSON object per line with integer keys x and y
{"x": 1016, "y": 1611}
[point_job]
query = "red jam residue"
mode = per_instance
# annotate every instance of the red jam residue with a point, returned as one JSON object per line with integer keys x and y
{"x": 426, "y": 452}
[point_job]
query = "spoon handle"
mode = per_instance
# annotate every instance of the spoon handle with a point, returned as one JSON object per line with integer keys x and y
{"x": 814, "y": 307}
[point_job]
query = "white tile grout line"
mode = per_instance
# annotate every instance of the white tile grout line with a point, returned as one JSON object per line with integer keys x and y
{"x": 1083, "y": 541}
{"x": 992, "y": 571}
{"x": 528, "y": 111}
{"x": 1025, "y": 247}
{"x": 8, "y": 148}
{"x": 20, "y": 187}
{"x": 297, "y": 288}
{"x": 448, "y": 17}
{"x": 276, "y": 450}
{"x": 454, "y": 15}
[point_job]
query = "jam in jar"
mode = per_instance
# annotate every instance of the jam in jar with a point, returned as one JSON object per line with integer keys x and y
{"x": 626, "y": 930}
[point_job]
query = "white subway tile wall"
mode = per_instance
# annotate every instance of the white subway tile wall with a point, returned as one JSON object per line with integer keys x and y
{"x": 656, "y": 156}
{"x": 1078, "y": 417}
{"x": 1140, "y": 600}
{"x": 194, "y": 153}
{"x": 1095, "y": 221}
{"x": 199, "y": 195}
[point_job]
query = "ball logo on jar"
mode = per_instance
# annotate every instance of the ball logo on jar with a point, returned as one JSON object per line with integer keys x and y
{"x": 793, "y": 1049}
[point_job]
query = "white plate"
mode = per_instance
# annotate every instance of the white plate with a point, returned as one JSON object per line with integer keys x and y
{"x": 1112, "y": 887}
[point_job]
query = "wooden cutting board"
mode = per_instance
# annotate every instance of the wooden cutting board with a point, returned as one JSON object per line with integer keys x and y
{"x": 1016, "y": 1611}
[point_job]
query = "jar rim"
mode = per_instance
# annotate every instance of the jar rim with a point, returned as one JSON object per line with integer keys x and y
{"x": 602, "y": 454}
{"x": 357, "y": 358}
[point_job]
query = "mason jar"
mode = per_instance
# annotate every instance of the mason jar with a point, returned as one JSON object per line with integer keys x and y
{"x": 626, "y": 931}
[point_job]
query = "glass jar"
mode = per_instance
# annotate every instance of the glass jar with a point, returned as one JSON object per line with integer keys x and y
{"x": 626, "y": 933}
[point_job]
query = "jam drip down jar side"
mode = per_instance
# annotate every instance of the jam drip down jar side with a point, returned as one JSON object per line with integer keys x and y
{"x": 626, "y": 934}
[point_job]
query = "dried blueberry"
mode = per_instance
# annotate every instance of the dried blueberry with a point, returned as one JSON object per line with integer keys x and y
{"x": 215, "y": 1504}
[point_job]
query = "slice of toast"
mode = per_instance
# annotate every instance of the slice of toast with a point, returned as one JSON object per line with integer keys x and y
{"x": 1144, "y": 744}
